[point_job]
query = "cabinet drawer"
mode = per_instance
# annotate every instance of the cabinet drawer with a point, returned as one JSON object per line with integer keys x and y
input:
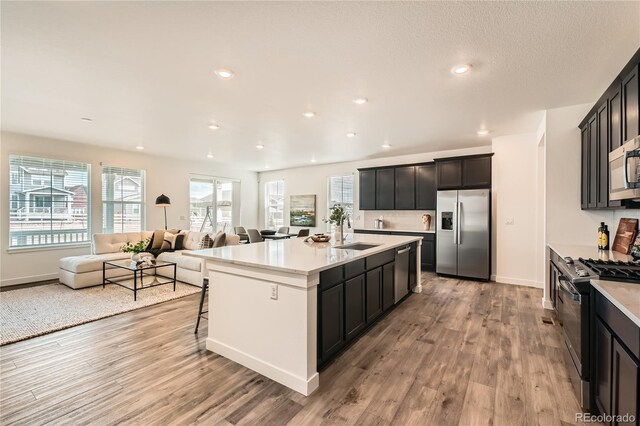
{"x": 331, "y": 277}
{"x": 354, "y": 268}
{"x": 380, "y": 259}
{"x": 626, "y": 330}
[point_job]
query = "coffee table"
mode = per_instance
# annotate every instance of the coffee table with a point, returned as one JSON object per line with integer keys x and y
{"x": 138, "y": 274}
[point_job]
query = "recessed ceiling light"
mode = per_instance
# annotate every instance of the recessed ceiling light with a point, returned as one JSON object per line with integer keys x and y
{"x": 87, "y": 119}
{"x": 483, "y": 132}
{"x": 313, "y": 160}
{"x": 360, "y": 100}
{"x": 351, "y": 134}
{"x": 309, "y": 114}
{"x": 214, "y": 126}
{"x": 209, "y": 155}
{"x": 259, "y": 146}
{"x": 224, "y": 73}
{"x": 139, "y": 147}
{"x": 461, "y": 69}
{"x": 266, "y": 166}
{"x": 386, "y": 145}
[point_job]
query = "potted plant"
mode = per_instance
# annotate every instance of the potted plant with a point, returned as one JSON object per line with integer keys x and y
{"x": 136, "y": 248}
{"x": 337, "y": 216}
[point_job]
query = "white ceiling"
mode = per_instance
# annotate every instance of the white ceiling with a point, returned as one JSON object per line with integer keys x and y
{"x": 143, "y": 71}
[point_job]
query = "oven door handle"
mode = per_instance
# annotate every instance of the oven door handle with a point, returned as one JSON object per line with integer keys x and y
{"x": 567, "y": 287}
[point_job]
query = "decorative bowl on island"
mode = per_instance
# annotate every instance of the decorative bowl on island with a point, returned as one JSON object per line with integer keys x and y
{"x": 320, "y": 238}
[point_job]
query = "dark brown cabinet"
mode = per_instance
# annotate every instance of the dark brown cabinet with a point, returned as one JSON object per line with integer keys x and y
{"x": 367, "y": 189}
{"x": 616, "y": 366}
{"x": 612, "y": 121}
{"x": 630, "y": 107}
{"x": 354, "y": 306}
{"x": 426, "y": 193}
{"x": 471, "y": 172}
{"x": 428, "y": 253}
{"x": 331, "y": 311}
{"x": 405, "y": 188}
{"x": 593, "y": 162}
{"x": 385, "y": 189}
{"x": 449, "y": 174}
{"x": 387, "y": 285}
{"x": 374, "y": 294}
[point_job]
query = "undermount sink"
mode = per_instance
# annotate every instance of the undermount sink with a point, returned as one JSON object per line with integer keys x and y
{"x": 357, "y": 246}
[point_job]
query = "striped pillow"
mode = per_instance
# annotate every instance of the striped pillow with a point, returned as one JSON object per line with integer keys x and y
{"x": 206, "y": 242}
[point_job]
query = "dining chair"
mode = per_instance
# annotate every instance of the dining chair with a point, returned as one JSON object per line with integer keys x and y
{"x": 242, "y": 233}
{"x": 283, "y": 230}
{"x": 303, "y": 233}
{"x": 254, "y": 236}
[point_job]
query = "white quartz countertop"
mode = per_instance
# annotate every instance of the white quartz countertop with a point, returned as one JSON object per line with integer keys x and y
{"x": 299, "y": 257}
{"x": 413, "y": 231}
{"x": 625, "y": 296}
{"x": 575, "y": 251}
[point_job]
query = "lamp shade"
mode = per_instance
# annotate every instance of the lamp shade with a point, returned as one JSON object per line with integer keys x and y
{"x": 163, "y": 201}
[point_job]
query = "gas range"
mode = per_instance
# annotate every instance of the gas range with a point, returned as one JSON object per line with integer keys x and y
{"x": 580, "y": 271}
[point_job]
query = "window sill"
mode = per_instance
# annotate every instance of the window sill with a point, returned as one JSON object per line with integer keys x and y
{"x": 13, "y": 250}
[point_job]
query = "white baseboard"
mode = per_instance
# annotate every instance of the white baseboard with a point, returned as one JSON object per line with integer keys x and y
{"x": 26, "y": 280}
{"x": 517, "y": 281}
{"x": 546, "y": 304}
{"x": 290, "y": 380}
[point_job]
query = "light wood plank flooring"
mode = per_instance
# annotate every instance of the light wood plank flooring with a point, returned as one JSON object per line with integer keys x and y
{"x": 460, "y": 353}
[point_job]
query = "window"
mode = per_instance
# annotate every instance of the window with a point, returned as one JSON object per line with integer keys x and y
{"x": 340, "y": 191}
{"x": 49, "y": 202}
{"x": 274, "y": 203}
{"x": 123, "y": 199}
{"x": 212, "y": 203}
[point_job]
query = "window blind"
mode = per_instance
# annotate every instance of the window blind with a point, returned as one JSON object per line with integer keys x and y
{"x": 123, "y": 199}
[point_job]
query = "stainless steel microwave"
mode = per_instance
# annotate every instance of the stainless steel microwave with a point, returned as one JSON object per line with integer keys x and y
{"x": 624, "y": 171}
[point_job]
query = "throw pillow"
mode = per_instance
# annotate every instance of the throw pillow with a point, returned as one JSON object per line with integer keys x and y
{"x": 219, "y": 239}
{"x": 169, "y": 241}
{"x": 206, "y": 242}
{"x": 179, "y": 244}
{"x": 158, "y": 239}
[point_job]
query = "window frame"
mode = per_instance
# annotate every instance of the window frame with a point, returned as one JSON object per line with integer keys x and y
{"x": 142, "y": 204}
{"x": 330, "y": 203}
{"x": 15, "y": 201}
{"x": 280, "y": 185}
{"x": 235, "y": 203}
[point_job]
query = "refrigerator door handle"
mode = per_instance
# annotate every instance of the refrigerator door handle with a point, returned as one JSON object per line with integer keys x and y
{"x": 458, "y": 222}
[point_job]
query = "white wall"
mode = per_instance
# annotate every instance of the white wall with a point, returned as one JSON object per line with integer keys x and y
{"x": 163, "y": 175}
{"x": 515, "y": 217}
{"x": 313, "y": 180}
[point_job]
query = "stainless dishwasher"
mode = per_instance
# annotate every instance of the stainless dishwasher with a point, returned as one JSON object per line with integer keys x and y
{"x": 401, "y": 273}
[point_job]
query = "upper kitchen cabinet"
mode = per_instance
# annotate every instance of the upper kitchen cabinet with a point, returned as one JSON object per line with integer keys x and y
{"x": 426, "y": 193}
{"x": 405, "y": 188}
{"x": 464, "y": 172}
{"x": 630, "y": 107}
{"x": 368, "y": 189}
{"x": 385, "y": 189}
{"x": 611, "y": 121}
{"x": 402, "y": 187}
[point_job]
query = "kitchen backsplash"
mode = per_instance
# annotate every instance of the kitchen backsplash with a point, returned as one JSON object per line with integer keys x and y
{"x": 394, "y": 219}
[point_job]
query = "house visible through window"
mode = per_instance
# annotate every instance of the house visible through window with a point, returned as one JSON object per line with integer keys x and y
{"x": 274, "y": 203}
{"x": 213, "y": 206}
{"x": 123, "y": 199}
{"x": 49, "y": 202}
{"x": 340, "y": 191}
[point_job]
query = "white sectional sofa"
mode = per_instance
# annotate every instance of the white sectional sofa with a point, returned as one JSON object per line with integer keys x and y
{"x": 86, "y": 271}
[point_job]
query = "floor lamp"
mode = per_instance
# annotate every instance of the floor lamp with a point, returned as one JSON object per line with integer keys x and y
{"x": 163, "y": 201}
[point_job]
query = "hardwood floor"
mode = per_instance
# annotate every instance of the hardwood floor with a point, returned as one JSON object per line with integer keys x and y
{"x": 461, "y": 352}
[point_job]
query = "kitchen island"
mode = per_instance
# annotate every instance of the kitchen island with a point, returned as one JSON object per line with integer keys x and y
{"x": 264, "y": 299}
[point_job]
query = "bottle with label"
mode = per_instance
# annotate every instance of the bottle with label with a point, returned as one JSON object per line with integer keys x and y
{"x": 600, "y": 231}
{"x": 605, "y": 238}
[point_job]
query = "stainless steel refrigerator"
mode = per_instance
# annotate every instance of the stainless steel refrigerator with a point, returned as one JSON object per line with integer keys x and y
{"x": 464, "y": 233}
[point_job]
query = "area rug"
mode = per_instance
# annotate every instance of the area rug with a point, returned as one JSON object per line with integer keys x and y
{"x": 34, "y": 311}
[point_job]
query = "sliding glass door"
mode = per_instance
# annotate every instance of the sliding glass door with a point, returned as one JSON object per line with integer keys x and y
{"x": 213, "y": 204}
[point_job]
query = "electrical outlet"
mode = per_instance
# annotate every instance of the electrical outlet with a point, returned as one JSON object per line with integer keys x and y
{"x": 274, "y": 291}
{"x": 183, "y": 218}
{"x": 509, "y": 221}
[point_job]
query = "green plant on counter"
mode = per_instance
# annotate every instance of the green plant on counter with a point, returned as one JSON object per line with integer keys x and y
{"x": 338, "y": 215}
{"x": 135, "y": 248}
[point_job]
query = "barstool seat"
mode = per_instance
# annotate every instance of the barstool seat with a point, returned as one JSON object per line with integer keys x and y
{"x": 205, "y": 288}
